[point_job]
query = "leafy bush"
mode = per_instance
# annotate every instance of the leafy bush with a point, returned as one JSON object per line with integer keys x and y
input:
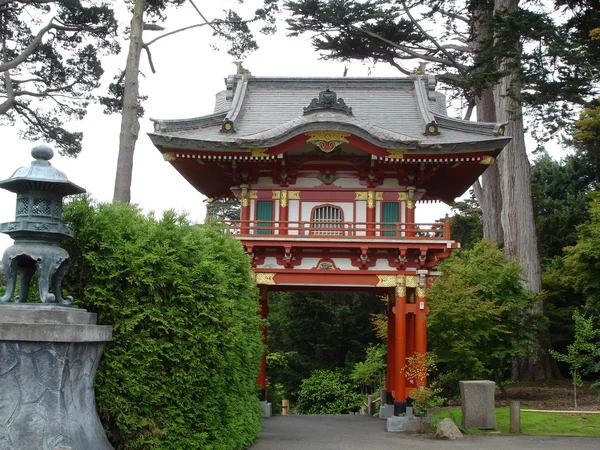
{"x": 370, "y": 374}
{"x": 480, "y": 317}
{"x": 328, "y": 392}
{"x": 181, "y": 370}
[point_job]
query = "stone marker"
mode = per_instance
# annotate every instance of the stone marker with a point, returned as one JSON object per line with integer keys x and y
{"x": 515, "y": 417}
{"x": 448, "y": 430}
{"x": 478, "y": 404}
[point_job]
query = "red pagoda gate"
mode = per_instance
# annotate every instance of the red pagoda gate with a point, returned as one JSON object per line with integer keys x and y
{"x": 329, "y": 173}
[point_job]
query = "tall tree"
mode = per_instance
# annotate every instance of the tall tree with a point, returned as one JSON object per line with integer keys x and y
{"x": 479, "y": 51}
{"x": 49, "y": 65}
{"x": 125, "y": 97}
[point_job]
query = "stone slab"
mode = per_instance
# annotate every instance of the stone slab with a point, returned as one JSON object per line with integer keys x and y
{"x": 267, "y": 409}
{"x": 397, "y": 424}
{"x": 45, "y": 313}
{"x": 478, "y": 404}
{"x": 41, "y": 332}
{"x": 386, "y": 411}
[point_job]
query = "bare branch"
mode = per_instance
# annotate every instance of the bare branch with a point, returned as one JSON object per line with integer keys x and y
{"x": 149, "y": 55}
{"x": 470, "y": 109}
{"x": 460, "y": 48}
{"x": 175, "y": 31}
{"x": 429, "y": 37}
{"x": 206, "y": 21}
{"x": 455, "y": 16}
{"x": 410, "y": 52}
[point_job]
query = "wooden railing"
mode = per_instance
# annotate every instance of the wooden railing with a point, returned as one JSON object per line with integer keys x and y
{"x": 323, "y": 229}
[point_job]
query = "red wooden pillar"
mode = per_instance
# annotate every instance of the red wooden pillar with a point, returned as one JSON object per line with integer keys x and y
{"x": 421, "y": 326}
{"x": 245, "y": 212}
{"x": 400, "y": 345}
{"x": 371, "y": 215}
{"x": 283, "y": 212}
{"x": 391, "y": 341}
{"x": 264, "y": 311}
{"x": 410, "y": 217}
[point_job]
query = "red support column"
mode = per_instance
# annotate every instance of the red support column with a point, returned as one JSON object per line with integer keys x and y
{"x": 421, "y": 327}
{"x": 264, "y": 311}
{"x": 410, "y": 217}
{"x": 245, "y": 212}
{"x": 391, "y": 341}
{"x": 400, "y": 345}
{"x": 371, "y": 215}
{"x": 283, "y": 212}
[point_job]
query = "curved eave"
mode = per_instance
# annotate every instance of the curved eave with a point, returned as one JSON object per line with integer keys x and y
{"x": 373, "y": 134}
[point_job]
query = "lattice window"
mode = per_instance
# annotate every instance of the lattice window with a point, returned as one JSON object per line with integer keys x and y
{"x": 41, "y": 207}
{"x": 22, "y": 206}
{"x": 57, "y": 209}
{"x": 327, "y": 219}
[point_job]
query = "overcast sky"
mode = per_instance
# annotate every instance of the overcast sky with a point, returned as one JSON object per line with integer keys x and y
{"x": 189, "y": 74}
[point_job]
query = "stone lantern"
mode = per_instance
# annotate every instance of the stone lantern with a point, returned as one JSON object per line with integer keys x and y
{"x": 37, "y": 229}
{"x": 49, "y": 351}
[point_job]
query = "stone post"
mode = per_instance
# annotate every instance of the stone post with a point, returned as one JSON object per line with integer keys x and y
{"x": 48, "y": 360}
{"x": 478, "y": 404}
{"x": 515, "y": 417}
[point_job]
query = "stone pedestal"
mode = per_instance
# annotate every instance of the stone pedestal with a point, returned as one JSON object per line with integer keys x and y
{"x": 386, "y": 411}
{"x": 48, "y": 361}
{"x": 396, "y": 424}
{"x": 267, "y": 408}
{"x": 478, "y": 404}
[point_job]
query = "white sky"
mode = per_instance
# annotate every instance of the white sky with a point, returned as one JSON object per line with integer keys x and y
{"x": 189, "y": 74}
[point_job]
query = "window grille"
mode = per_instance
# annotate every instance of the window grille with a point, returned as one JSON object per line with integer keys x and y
{"x": 22, "y": 206}
{"x": 41, "y": 207}
{"x": 327, "y": 220}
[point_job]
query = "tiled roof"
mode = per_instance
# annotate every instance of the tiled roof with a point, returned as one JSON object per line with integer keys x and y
{"x": 262, "y": 112}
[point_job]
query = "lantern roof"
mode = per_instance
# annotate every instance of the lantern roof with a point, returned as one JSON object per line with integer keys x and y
{"x": 41, "y": 176}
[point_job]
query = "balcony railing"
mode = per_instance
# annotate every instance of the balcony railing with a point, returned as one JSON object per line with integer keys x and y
{"x": 339, "y": 230}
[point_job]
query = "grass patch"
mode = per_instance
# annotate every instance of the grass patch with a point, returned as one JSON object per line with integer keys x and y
{"x": 534, "y": 424}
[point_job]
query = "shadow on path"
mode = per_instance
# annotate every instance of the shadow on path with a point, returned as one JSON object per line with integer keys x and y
{"x": 305, "y": 432}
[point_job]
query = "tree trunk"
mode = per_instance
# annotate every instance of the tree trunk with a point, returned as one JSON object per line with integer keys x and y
{"x": 130, "y": 125}
{"x": 520, "y": 240}
{"x": 487, "y": 189}
{"x": 488, "y": 192}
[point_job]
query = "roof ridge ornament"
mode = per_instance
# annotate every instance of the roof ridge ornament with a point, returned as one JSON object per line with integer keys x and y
{"x": 328, "y": 100}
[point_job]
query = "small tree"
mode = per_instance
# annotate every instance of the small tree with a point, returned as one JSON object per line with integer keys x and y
{"x": 583, "y": 352}
{"x": 478, "y": 322}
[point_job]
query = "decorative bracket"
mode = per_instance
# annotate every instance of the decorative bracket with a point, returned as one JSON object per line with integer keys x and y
{"x": 328, "y": 100}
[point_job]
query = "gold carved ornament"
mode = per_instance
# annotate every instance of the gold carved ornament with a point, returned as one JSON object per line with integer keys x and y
{"x": 487, "y": 160}
{"x": 327, "y": 141}
{"x": 412, "y": 281}
{"x": 361, "y": 196}
{"x": 395, "y": 154}
{"x": 253, "y": 194}
{"x": 370, "y": 199}
{"x": 262, "y": 152}
{"x": 265, "y": 278}
{"x": 283, "y": 201}
{"x": 169, "y": 156}
{"x": 410, "y": 204}
{"x": 421, "y": 292}
{"x": 400, "y": 291}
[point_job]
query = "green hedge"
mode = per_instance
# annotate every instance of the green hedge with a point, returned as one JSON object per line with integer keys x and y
{"x": 328, "y": 392}
{"x": 181, "y": 370}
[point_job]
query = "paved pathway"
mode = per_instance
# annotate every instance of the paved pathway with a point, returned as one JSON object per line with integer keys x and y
{"x": 297, "y": 432}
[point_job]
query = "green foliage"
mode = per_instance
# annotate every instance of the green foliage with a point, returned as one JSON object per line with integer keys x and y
{"x": 466, "y": 223}
{"x": 583, "y": 353}
{"x": 64, "y": 63}
{"x": 478, "y": 322}
{"x": 582, "y": 261}
{"x": 181, "y": 369}
{"x": 560, "y": 201}
{"x": 370, "y": 374}
{"x": 328, "y": 392}
{"x": 318, "y": 330}
{"x": 224, "y": 208}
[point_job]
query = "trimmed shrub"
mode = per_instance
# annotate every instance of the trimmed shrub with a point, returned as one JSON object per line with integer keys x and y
{"x": 328, "y": 392}
{"x": 181, "y": 370}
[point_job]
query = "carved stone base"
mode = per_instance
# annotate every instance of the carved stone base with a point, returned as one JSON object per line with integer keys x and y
{"x": 48, "y": 361}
